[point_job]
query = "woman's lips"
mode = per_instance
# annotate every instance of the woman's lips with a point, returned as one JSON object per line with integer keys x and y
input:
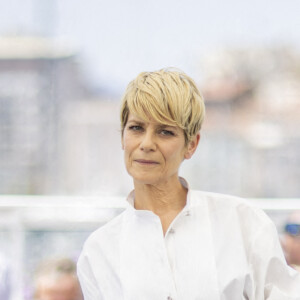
{"x": 146, "y": 162}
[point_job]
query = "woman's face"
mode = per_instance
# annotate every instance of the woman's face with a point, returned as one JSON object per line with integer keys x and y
{"x": 153, "y": 151}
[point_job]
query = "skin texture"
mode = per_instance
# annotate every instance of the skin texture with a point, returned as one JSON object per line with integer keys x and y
{"x": 153, "y": 153}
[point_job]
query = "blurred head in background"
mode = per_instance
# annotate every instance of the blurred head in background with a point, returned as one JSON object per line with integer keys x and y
{"x": 291, "y": 240}
{"x": 56, "y": 279}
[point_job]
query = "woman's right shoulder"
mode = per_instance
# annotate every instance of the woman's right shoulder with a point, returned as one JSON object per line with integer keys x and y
{"x": 106, "y": 235}
{"x": 101, "y": 251}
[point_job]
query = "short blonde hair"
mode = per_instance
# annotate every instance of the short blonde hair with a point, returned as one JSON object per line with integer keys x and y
{"x": 169, "y": 97}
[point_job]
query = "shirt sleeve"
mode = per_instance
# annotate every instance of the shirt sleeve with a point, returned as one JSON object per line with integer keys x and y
{"x": 273, "y": 278}
{"x": 87, "y": 280}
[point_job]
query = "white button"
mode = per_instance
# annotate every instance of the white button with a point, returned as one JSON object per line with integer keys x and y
{"x": 169, "y": 298}
{"x": 187, "y": 214}
{"x": 171, "y": 230}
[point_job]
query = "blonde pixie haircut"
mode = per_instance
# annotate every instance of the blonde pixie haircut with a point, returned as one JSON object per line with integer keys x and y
{"x": 167, "y": 96}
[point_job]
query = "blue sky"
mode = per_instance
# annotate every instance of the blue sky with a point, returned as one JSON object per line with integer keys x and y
{"x": 117, "y": 39}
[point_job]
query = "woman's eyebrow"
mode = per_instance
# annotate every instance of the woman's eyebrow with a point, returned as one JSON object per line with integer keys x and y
{"x": 167, "y": 126}
{"x": 135, "y": 121}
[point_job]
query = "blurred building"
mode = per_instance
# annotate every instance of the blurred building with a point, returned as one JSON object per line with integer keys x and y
{"x": 92, "y": 157}
{"x": 251, "y": 141}
{"x": 38, "y": 77}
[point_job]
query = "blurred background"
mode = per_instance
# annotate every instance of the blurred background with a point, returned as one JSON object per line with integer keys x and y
{"x": 63, "y": 68}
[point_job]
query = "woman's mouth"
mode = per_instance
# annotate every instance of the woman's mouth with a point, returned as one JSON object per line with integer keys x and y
{"x": 146, "y": 162}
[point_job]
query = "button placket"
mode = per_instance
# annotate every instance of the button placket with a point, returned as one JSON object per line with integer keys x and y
{"x": 170, "y": 250}
{"x": 171, "y": 230}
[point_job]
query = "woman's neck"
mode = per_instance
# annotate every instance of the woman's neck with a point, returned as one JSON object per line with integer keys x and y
{"x": 162, "y": 199}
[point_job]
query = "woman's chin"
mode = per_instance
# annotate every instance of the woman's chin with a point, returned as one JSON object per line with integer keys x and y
{"x": 145, "y": 180}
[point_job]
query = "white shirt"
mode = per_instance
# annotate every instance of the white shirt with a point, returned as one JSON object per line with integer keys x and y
{"x": 218, "y": 247}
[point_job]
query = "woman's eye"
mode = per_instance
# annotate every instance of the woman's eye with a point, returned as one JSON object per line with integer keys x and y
{"x": 167, "y": 132}
{"x": 135, "y": 128}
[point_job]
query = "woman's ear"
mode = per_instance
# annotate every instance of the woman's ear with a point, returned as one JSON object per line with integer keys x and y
{"x": 192, "y": 146}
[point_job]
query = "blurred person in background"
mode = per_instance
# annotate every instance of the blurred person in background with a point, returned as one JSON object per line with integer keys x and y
{"x": 291, "y": 240}
{"x": 56, "y": 279}
{"x": 174, "y": 243}
{"x": 5, "y": 284}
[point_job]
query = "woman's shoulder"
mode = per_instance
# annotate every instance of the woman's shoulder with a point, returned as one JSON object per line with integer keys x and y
{"x": 234, "y": 216}
{"x": 224, "y": 205}
{"x": 217, "y": 199}
{"x": 101, "y": 249}
{"x": 107, "y": 234}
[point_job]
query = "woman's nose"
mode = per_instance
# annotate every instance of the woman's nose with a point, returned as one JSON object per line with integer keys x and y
{"x": 148, "y": 142}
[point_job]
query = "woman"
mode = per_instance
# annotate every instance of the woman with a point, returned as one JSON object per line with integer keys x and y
{"x": 171, "y": 242}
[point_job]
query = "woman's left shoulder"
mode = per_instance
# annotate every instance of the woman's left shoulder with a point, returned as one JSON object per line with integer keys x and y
{"x": 224, "y": 205}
